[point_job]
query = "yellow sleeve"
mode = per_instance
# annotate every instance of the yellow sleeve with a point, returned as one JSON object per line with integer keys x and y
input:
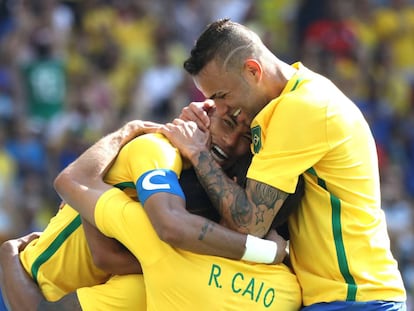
{"x": 144, "y": 153}
{"x": 119, "y": 217}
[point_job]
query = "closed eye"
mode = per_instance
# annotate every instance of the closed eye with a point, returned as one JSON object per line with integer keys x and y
{"x": 230, "y": 123}
{"x": 218, "y": 96}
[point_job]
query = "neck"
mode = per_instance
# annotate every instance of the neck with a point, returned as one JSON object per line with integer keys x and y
{"x": 278, "y": 79}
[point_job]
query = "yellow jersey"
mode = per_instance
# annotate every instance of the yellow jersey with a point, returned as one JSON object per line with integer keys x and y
{"x": 180, "y": 280}
{"x": 338, "y": 235}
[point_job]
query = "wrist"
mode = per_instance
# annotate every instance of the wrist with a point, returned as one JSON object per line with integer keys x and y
{"x": 129, "y": 131}
{"x": 259, "y": 250}
{"x": 196, "y": 155}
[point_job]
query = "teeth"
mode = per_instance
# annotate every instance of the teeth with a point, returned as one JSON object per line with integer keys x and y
{"x": 219, "y": 152}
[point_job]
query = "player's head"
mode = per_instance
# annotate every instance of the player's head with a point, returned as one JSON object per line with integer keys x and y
{"x": 227, "y": 64}
{"x": 230, "y": 139}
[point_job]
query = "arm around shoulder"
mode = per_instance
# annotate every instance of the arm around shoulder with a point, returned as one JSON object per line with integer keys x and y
{"x": 81, "y": 183}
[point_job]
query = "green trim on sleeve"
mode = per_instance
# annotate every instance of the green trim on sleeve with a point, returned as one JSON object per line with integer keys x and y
{"x": 124, "y": 185}
{"x": 296, "y": 84}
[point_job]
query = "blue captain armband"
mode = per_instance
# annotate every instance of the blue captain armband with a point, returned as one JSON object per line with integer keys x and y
{"x": 158, "y": 180}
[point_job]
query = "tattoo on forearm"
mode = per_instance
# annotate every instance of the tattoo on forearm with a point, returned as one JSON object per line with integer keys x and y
{"x": 267, "y": 195}
{"x": 210, "y": 178}
{"x": 241, "y": 211}
{"x": 231, "y": 200}
{"x": 266, "y": 198}
{"x": 207, "y": 227}
{"x": 223, "y": 192}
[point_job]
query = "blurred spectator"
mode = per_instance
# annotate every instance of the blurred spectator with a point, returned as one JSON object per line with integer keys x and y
{"x": 26, "y": 146}
{"x": 44, "y": 79}
{"x": 6, "y": 17}
{"x": 268, "y": 18}
{"x": 156, "y": 89}
{"x": 72, "y": 131}
{"x": 120, "y": 36}
{"x": 190, "y": 17}
{"x": 330, "y": 38}
{"x": 395, "y": 28}
{"x": 7, "y": 105}
{"x": 8, "y": 174}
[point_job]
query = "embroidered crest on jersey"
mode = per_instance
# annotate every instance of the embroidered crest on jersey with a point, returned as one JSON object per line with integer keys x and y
{"x": 256, "y": 138}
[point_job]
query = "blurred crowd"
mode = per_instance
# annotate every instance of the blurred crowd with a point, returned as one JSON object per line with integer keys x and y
{"x": 71, "y": 71}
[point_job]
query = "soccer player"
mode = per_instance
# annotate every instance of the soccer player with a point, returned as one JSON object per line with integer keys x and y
{"x": 301, "y": 123}
{"x": 119, "y": 175}
{"x": 175, "y": 279}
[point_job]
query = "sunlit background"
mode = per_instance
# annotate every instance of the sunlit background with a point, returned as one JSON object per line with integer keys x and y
{"x": 71, "y": 71}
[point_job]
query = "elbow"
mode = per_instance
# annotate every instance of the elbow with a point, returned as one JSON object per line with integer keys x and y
{"x": 4, "y": 251}
{"x": 59, "y": 181}
{"x": 64, "y": 183}
{"x": 102, "y": 260}
{"x": 170, "y": 233}
{"x": 102, "y": 264}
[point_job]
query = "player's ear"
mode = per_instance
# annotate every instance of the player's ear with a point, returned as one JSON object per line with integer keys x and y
{"x": 252, "y": 69}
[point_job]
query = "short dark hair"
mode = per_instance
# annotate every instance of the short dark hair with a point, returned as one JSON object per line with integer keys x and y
{"x": 218, "y": 40}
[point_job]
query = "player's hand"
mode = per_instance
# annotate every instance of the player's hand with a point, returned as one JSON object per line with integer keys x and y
{"x": 282, "y": 244}
{"x": 135, "y": 128}
{"x": 15, "y": 246}
{"x": 187, "y": 138}
{"x": 198, "y": 112}
{"x": 21, "y": 243}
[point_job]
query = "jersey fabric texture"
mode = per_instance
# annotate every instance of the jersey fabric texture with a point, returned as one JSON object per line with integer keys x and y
{"x": 339, "y": 238}
{"x": 180, "y": 280}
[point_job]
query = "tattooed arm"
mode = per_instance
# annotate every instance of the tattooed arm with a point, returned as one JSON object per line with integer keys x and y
{"x": 179, "y": 228}
{"x": 81, "y": 184}
{"x": 251, "y": 210}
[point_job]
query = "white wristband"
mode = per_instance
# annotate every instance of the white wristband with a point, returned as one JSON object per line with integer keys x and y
{"x": 259, "y": 250}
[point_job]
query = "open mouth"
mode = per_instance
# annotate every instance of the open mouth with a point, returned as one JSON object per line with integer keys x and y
{"x": 218, "y": 154}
